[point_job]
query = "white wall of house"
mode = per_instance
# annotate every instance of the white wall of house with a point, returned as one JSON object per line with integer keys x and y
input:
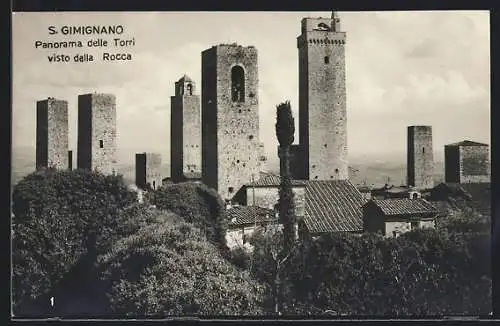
{"x": 396, "y": 228}
{"x": 267, "y": 197}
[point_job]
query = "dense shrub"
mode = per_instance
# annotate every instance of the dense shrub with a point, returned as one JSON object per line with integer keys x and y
{"x": 426, "y": 272}
{"x": 197, "y": 204}
{"x": 170, "y": 269}
{"x": 59, "y": 216}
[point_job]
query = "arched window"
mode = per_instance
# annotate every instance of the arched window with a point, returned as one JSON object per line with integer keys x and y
{"x": 190, "y": 89}
{"x": 238, "y": 84}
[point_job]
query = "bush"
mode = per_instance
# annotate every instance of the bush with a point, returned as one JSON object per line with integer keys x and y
{"x": 60, "y": 216}
{"x": 170, "y": 269}
{"x": 197, "y": 204}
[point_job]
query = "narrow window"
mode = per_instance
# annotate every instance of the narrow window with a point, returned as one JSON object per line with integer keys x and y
{"x": 237, "y": 84}
{"x": 190, "y": 89}
{"x": 230, "y": 189}
{"x": 154, "y": 185}
{"x": 336, "y": 170}
{"x": 101, "y": 144}
{"x": 327, "y": 60}
{"x": 423, "y": 150}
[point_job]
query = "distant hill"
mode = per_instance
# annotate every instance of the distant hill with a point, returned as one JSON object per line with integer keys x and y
{"x": 369, "y": 169}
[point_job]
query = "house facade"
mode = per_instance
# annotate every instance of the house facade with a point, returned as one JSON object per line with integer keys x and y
{"x": 393, "y": 217}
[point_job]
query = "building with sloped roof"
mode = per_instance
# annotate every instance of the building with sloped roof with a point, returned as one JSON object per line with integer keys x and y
{"x": 332, "y": 206}
{"x": 467, "y": 162}
{"x": 392, "y": 217}
{"x": 244, "y": 221}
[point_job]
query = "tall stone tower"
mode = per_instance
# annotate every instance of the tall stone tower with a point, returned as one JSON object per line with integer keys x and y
{"x": 420, "y": 163}
{"x": 148, "y": 170}
{"x": 52, "y": 134}
{"x": 322, "y": 99}
{"x": 97, "y": 132}
{"x": 185, "y": 131}
{"x": 231, "y": 151}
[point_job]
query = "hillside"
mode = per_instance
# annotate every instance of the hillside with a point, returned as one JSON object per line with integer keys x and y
{"x": 369, "y": 169}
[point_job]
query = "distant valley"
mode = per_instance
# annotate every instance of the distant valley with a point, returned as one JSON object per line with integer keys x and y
{"x": 365, "y": 169}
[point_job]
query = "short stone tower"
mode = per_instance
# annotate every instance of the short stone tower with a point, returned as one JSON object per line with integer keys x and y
{"x": 467, "y": 162}
{"x": 97, "y": 132}
{"x": 185, "y": 130}
{"x": 420, "y": 158}
{"x": 52, "y": 133}
{"x": 231, "y": 151}
{"x": 148, "y": 170}
{"x": 322, "y": 100}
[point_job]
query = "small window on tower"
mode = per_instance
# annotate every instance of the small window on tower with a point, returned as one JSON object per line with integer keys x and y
{"x": 423, "y": 150}
{"x": 336, "y": 170}
{"x": 230, "y": 189}
{"x": 101, "y": 143}
{"x": 327, "y": 60}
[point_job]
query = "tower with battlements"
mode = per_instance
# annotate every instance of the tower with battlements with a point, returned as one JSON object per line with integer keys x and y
{"x": 97, "y": 133}
{"x": 185, "y": 148}
{"x": 231, "y": 151}
{"x": 322, "y": 100}
{"x": 52, "y": 134}
{"x": 420, "y": 158}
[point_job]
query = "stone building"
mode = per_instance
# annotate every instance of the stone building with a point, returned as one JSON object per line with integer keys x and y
{"x": 148, "y": 171}
{"x": 467, "y": 162}
{"x": 393, "y": 217}
{"x": 322, "y": 149}
{"x": 185, "y": 131}
{"x": 52, "y": 133}
{"x": 97, "y": 132}
{"x": 231, "y": 150}
{"x": 420, "y": 158}
{"x": 264, "y": 192}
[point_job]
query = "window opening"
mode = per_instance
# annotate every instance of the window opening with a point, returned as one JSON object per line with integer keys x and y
{"x": 237, "y": 84}
{"x": 101, "y": 144}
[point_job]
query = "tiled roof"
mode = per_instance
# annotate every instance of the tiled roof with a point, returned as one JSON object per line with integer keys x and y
{"x": 271, "y": 180}
{"x": 243, "y": 215}
{"x": 467, "y": 143}
{"x": 392, "y": 207}
{"x": 333, "y": 206}
{"x": 192, "y": 175}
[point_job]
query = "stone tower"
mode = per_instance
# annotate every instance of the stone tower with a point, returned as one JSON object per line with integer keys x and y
{"x": 52, "y": 133}
{"x": 148, "y": 170}
{"x": 420, "y": 163}
{"x": 231, "y": 151}
{"x": 467, "y": 162}
{"x": 185, "y": 121}
{"x": 322, "y": 99}
{"x": 97, "y": 132}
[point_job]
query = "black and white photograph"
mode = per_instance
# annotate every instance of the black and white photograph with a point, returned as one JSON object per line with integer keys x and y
{"x": 270, "y": 164}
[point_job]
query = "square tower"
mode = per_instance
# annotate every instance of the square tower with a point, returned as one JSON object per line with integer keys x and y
{"x": 185, "y": 130}
{"x": 148, "y": 170}
{"x": 420, "y": 158}
{"x": 467, "y": 162}
{"x": 231, "y": 151}
{"x": 52, "y": 133}
{"x": 322, "y": 99}
{"x": 97, "y": 132}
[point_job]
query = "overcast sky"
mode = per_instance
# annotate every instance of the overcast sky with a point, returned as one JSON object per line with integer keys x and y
{"x": 403, "y": 68}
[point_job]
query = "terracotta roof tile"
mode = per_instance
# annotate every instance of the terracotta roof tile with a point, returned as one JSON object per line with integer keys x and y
{"x": 271, "y": 180}
{"x": 244, "y": 215}
{"x": 333, "y": 206}
{"x": 392, "y": 207}
{"x": 467, "y": 143}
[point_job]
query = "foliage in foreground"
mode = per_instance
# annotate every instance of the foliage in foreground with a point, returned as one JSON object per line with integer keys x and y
{"x": 196, "y": 204}
{"x": 59, "y": 216}
{"x": 427, "y": 272}
{"x": 170, "y": 269}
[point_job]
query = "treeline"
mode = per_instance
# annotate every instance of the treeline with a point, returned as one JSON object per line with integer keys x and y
{"x": 82, "y": 238}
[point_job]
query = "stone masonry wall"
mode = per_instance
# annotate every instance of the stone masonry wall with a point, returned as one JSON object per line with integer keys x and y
{"x": 102, "y": 143}
{"x": 268, "y": 197}
{"x": 420, "y": 163}
{"x": 52, "y": 134}
{"x": 474, "y": 164}
{"x": 322, "y": 83}
{"x": 237, "y": 146}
